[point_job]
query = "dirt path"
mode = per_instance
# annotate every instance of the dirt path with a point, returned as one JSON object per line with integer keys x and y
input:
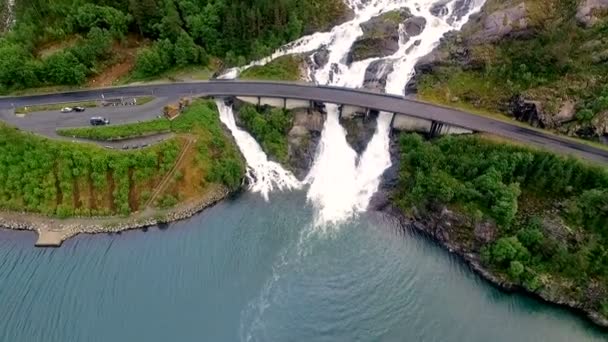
{"x": 163, "y": 183}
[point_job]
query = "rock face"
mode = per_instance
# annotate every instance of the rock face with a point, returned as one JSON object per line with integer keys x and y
{"x": 303, "y": 139}
{"x": 380, "y": 35}
{"x": 500, "y": 24}
{"x": 588, "y": 11}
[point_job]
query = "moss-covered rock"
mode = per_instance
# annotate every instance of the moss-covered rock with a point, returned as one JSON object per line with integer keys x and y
{"x": 380, "y": 35}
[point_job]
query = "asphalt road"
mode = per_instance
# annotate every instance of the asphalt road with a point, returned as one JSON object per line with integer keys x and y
{"x": 361, "y": 98}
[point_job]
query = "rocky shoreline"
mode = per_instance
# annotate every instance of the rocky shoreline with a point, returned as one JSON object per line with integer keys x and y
{"x": 474, "y": 262}
{"x": 440, "y": 226}
{"x": 52, "y": 232}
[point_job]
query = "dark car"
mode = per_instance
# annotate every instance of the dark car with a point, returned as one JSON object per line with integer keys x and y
{"x": 99, "y": 121}
{"x": 79, "y": 109}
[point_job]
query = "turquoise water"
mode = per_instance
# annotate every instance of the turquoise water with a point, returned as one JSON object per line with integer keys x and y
{"x": 248, "y": 270}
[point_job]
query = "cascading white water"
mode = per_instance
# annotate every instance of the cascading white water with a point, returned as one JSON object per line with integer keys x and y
{"x": 10, "y": 11}
{"x": 263, "y": 174}
{"x": 340, "y": 183}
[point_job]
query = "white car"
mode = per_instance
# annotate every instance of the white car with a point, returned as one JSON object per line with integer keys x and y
{"x": 67, "y": 109}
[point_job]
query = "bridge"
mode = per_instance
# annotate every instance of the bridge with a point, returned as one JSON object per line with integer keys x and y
{"x": 292, "y": 95}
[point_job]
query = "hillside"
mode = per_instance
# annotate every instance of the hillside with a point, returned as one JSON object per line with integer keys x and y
{"x": 543, "y": 62}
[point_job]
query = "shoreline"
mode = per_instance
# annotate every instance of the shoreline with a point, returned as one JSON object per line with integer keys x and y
{"x": 473, "y": 262}
{"x": 52, "y": 232}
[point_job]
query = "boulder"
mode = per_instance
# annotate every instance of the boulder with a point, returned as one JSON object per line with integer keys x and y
{"x": 588, "y": 11}
{"x": 508, "y": 22}
{"x": 414, "y": 26}
{"x": 380, "y": 35}
{"x": 566, "y": 112}
{"x": 527, "y": 111}
{"x": 321, "y": 57}
{"x": 376, "y": 75}
{"x": 440, "y": 9}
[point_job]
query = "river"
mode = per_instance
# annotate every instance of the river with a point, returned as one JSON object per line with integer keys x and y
{"x": 251, "y": 270}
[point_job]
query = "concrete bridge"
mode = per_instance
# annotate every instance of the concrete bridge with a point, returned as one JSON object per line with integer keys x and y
{"x": 292, "y": 95}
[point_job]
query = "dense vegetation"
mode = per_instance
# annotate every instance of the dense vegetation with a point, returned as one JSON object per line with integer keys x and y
{"x": 269, "y": 126}
{"x": 118, "y": 132}
{"x": 182, "y": 32}
{"x": 66, "y": 179}
{"x": 550, "y": 212}
{"x": 286, "y": 68}
{"x": 556, "y": 60}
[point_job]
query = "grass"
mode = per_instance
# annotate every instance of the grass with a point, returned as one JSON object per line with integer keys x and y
{"x": 119, "y": 132}
{"x": 285, "y": 68}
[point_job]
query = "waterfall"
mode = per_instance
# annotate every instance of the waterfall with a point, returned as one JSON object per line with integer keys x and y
{"x": 341, "y": 184}
{"x": 263, "y": 175}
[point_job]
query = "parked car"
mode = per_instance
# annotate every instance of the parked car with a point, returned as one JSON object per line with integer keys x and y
{"x": 79, "y": 109}
{"x": 67, "y": 109}
{"x": 99, "y": 121}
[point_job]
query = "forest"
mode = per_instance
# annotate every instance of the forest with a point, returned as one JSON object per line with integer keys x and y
{"x": 174, "y": 33}
{"x": 67, "y": 179}
{"x": 551, "y": 212}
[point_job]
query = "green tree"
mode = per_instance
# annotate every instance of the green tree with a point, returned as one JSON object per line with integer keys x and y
{"x": 64, "y": 68}
{"x": 509, "y": 249}
{"x": 185, "y": 51}
{"x": 516, "y": 269}
{"x": 149, "y": 62}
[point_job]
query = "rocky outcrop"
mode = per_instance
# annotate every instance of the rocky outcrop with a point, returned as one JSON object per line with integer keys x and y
{"x": 500, "y": 24}
{"x": 414, "y": 26}
{"x": 381, "y": 34}
{"x": 360, "y": 129}
{"x": 303, "y": 139}
{"x": 590, "y": 11}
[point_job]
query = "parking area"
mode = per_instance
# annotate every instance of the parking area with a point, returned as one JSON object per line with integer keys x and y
{"x": 47, "y": 122}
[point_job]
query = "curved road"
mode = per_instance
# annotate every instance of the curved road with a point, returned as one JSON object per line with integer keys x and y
{"x": 355, "y": 97}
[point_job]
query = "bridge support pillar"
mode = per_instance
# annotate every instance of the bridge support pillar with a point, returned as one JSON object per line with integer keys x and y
{"x": 436, "y": 128}
{"x": 259, "y": 101}
{"x": 390, "y": 127}
{"x": 340, "y": 107}
{"x": 284, "y": 103}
